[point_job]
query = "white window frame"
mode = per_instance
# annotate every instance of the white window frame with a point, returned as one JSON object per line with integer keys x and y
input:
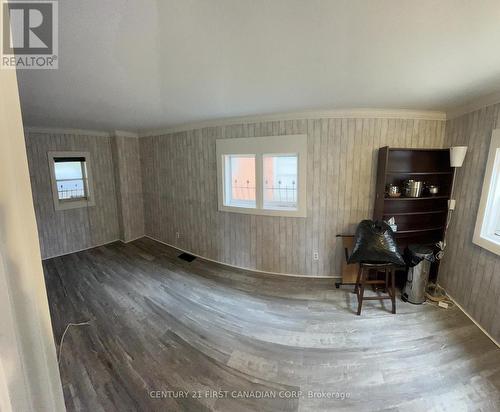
{"x": 71, "y": 204}
{"x": 260, "y": 146}
{"x": 489, "y": 207}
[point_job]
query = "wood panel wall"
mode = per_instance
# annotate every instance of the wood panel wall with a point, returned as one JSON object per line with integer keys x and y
{"x": 66, "y": 231}
{"x": 180, "y": 191}
{"x": 470, "y": 273}
{"x": 128, "y": 182}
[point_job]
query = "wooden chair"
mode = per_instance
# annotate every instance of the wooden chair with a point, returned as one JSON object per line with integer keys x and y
{"x": 364, "y": 279}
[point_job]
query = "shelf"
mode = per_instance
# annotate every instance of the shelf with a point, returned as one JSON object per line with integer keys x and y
{"x": 416, "y": 149}
{"x": 416, "y": 198}
{"x": 420, "y": 219}
{"x": 401, "y": 172}
{"x": 429, "y": 229}
{"x": 430, "y": 212}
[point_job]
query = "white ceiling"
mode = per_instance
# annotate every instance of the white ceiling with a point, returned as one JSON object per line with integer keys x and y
{"x": 129, "y": 64}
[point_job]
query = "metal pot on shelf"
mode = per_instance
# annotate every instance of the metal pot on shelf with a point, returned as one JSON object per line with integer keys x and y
{"x": 413, "y": 188}
{"x": 433, "y": 189}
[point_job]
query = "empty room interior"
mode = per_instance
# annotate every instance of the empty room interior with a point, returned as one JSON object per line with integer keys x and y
{"x": 250, "y": 205}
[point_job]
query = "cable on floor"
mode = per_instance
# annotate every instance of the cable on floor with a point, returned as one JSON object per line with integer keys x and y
{"x": 64, "y": 334}
{"x": 436, "y": 295}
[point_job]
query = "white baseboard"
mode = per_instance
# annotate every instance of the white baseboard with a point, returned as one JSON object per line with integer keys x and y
{"x": 245, "y": 268}
{"x": 87, "y": 248}
{"x": 471, "y": 318}
{"x": 131, "y": 240}
{"x": 333, "y": 277}
{"x": 92, "y": 247}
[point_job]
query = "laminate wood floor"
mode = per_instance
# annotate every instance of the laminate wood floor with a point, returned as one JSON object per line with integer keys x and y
{"x": 160, "y": 326}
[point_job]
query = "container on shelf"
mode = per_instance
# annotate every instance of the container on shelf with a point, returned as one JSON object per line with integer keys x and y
{"x": 413, "y": 188}
{"x": 393, "y": 191}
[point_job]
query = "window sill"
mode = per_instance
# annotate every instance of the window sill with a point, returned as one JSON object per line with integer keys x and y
{"x": 487, "y": 243}
{"x": 263, "y": 212}
{"x": 73, "y": 204}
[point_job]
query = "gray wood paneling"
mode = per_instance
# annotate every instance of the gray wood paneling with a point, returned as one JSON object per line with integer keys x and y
{"x": 128, "y": 180}
{"x": 180, "y": 191}
{"x": 470, "y": 273}
{"x": 65, "y": 231}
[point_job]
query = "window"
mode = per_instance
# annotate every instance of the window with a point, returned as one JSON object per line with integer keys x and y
{"x": 263, "y": 175}
{"x": 280, "y": 181}
{"x": 240, "y": 180}
{"x": 487, "y": 231}
{"x": 71, "y": 180}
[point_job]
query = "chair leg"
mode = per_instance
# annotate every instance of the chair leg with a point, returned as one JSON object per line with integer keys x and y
{"x": 386, "y": 287}
{"x": 393, "y": 288}
{"x": 361, "y": 291}
{"x": 358, "y": 278}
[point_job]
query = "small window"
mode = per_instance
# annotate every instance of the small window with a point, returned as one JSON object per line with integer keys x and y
{"x": 71, "y": 184}
{"x": 71, "y": 177}
{"x": 487, "y": 231}
{"x": 263, "y": 175}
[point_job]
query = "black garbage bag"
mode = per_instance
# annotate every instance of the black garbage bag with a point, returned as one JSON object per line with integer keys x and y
{"x": 374, "y": 243}
{"x": 414, "y": 254}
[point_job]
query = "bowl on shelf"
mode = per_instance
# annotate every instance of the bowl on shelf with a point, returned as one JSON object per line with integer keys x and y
{"x": 393, "y": 191}
{"x": 433, "y": 190}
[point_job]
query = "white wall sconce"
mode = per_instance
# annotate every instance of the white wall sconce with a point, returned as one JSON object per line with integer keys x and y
{"x": 457, "y": 156}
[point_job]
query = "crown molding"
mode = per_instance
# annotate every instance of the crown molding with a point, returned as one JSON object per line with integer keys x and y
{"x": 469, "y": 107}
{"x": 55, "y": 130}
{"x": 229, "y": 121}
{"x": 323, "y": 114}
{"x": 80, "y": 132}
{"x": 125, "y": 133}
{"x": 473, "y": 105}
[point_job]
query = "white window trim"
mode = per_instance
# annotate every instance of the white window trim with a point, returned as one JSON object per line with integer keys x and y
{"x": 76, "y": 204}
{"x": 260, "y": 146}
{"x": 481, "y": 237}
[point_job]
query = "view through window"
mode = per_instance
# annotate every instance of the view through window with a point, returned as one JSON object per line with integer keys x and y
{"x": 240, "y": 180}
{"x": 280, "y": 181}
{"x": 70, "y": 175}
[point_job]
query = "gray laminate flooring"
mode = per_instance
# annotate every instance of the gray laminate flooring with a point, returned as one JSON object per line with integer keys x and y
{"x": 161, "y": 326}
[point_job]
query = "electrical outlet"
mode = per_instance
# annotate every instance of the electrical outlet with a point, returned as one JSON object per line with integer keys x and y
{"x": 315, "y": 256}
{"x": 177, "y": 235}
